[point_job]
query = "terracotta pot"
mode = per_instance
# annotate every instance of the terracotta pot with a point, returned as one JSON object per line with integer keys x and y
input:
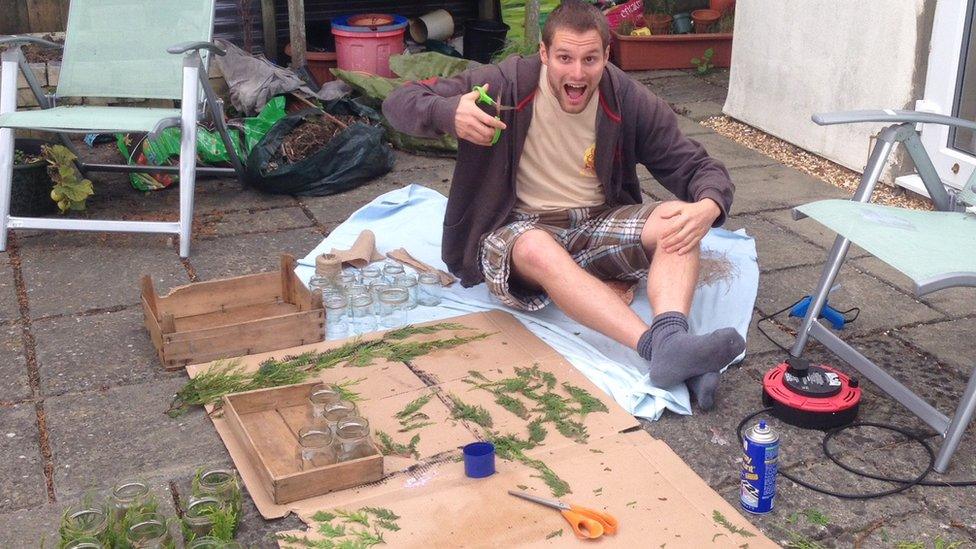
{"x": 659, "y": 23}
{"x": 722, "y": 6}
{"x": 319, "y": 63}
{"x": 705, "y": 20}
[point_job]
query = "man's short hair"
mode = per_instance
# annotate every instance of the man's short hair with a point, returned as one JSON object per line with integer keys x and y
{"x": 578, "y": 16}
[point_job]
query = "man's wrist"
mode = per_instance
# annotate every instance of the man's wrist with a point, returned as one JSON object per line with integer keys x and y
{"x": 712, "y": 205}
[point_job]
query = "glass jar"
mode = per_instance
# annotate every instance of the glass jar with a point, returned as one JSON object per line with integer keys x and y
{"x": 130, "y": 494}
{"x": 393, "y": 307}
{"x": 209, "y": 542}
{"x": 315, "y": 286}
{"x": 391, "y": 270}
{"x": 198, "y": 518}
{"x": 84, "y": 520}
{"x": 369, "y": 275}
{"x": 374, "y": 292}
{"x": 352, "y": 438}
{"x": 336, "y": 313}
{"x": 348, "y": 278}
{"x": 315, "y": 446}
{"x": 149, "y": 531}
{"x": 338, "y": 410}
{"x": 429, "y": 290}
{"x": 222, "y": 484}
{"x": 84, "y": 543}
{"x": 320, "y": 397}
{"x": 409, "y": 282}
{"x": 362, "y": 319}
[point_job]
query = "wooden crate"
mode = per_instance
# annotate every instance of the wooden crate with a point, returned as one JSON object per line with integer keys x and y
{"x": 266, "y": 423}
{"x": 232, "y": 317}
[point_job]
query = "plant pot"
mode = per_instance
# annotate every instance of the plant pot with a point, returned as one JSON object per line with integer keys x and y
{"x": 319, "y": 63}
{"x": 674, "y": 51}
{"x": 705, "y": 20}
{"x": 659, "y": 23}
{"x": 30, "y": 193}
{"x": 722, "y": 6}
{"x": 682, "y": 23}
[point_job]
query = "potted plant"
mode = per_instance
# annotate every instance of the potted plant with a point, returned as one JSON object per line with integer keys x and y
{"x": 705, "y": 20}
{"x": 30, "y": 193}
{"x": 722, "y": 6}
{"x": 658, "y": 16}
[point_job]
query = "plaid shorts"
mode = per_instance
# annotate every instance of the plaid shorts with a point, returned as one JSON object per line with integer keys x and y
{"x": 602, "y": 240}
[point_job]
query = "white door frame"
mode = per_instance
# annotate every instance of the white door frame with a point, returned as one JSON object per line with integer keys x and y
{"x": 948, "y": 36}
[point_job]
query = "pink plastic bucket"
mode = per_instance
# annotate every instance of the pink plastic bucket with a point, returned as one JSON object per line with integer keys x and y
{"x": 365, "y": 42}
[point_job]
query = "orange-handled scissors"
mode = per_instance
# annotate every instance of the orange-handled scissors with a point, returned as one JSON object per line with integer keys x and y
{"x": 586, "y": 523}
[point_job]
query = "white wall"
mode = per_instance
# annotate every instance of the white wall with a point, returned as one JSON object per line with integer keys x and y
{"x": 792, "y": 59}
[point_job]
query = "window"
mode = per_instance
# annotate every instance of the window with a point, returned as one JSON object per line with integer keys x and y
{"x": 950, "y": 89}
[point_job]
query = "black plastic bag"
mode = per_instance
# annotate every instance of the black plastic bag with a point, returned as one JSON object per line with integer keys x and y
{"x": 352, "y": 157}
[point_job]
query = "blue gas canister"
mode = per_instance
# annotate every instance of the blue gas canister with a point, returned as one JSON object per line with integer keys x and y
{"x": 760, "y": 447}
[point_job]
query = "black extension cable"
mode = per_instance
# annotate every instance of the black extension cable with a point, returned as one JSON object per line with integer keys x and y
{"x": 904, "y": 483}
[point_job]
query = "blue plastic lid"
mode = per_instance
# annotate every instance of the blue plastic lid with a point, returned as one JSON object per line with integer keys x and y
{"x": 342, "y": 23}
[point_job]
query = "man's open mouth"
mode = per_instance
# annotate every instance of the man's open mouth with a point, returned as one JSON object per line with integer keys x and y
{"x": 575, "y": 91}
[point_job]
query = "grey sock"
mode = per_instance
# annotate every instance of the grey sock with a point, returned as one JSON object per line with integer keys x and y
{"x": 703, "y": 388}
{"x": 676, "y": 355}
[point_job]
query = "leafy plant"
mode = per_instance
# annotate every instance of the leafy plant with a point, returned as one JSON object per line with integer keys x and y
{"x": 703, "y": 65}
{"x": 625, "y": 27}
{"x": 389, "y": 447}
{"x": 70, "y": 189}
{"x": 665, "y": 7}
{"x": 720, "y": 519}
{"x": 353, "y": 532}
{"x": 814, "y": 516}
{"x": 20, "y": 157}
{"x": 515, "y": 47}
{"x": 225, "y": 377}
{"x": 469, "y": 412}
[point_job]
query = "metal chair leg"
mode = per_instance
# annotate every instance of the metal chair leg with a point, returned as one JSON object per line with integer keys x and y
{"x": 8, "y": 103}
{"x": 957, "y": 427}
{"x": 188, "y": 149}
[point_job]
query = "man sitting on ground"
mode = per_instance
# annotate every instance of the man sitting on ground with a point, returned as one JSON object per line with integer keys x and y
{"x": 554, "y": 206}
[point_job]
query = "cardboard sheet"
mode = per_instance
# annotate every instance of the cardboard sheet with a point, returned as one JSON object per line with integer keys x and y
{"x": 656, "y": 498}
{"x": 439, "y": 506}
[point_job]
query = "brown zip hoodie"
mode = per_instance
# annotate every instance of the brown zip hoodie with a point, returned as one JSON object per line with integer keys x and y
{"x": 632, "y": 126}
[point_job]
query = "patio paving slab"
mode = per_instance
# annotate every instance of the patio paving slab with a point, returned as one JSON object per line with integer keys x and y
{"x": 94, "y": 352}
{"x": 99, "y": 436}
{"x": 14, "y": 385}
{"x": 22, "y": 481}
{"x": 684, "y": 88}
{"x": 881, "y": 306}
{"x": 775, "y": 248}
{"x": 776, "y": 187}
{"x": 953, "y": 302}
{"x": 945, "y": 341}
{"x": 251, "y": 253}
{"x": 9, "y": 308}
{"x": 252, "y": 221}
{"x": 62, "y": 277}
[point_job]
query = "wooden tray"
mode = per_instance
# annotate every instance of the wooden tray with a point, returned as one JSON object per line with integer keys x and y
{"x": 232, "y": 317}
{"x": 266, "y": 423}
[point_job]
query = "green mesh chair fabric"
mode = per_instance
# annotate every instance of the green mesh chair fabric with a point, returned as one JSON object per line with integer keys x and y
{"x": 922, "y": 245}
{"x": 117, "y": 48}
{"x": 88, "y": 119}
{"x": 968, "y": 194}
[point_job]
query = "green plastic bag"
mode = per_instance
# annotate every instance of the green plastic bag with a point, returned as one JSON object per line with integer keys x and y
{"x": 165, "y": 148}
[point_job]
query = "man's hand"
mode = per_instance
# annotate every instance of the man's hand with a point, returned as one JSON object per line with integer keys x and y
{"x": 473, "y": 124}
{"x": 688, "y": 223}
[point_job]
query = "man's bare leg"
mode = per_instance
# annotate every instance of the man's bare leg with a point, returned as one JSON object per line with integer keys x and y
{"x": 671, "y": 282}
{"x": 540, "y": 262}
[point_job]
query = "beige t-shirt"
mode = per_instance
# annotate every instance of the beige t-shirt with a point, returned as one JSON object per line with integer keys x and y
{"x": 557, "y": 170}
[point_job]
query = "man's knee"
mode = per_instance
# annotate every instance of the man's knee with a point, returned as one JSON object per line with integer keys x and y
{"x": 656, "y": 226}
{"x": 534, "y": 251}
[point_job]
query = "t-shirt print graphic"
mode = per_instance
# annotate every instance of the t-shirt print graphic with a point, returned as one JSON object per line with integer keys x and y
{"x": 589, "y": 161}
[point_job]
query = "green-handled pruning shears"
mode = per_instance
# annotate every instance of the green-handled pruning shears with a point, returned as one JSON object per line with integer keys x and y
{"x": 486, "y": 99}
